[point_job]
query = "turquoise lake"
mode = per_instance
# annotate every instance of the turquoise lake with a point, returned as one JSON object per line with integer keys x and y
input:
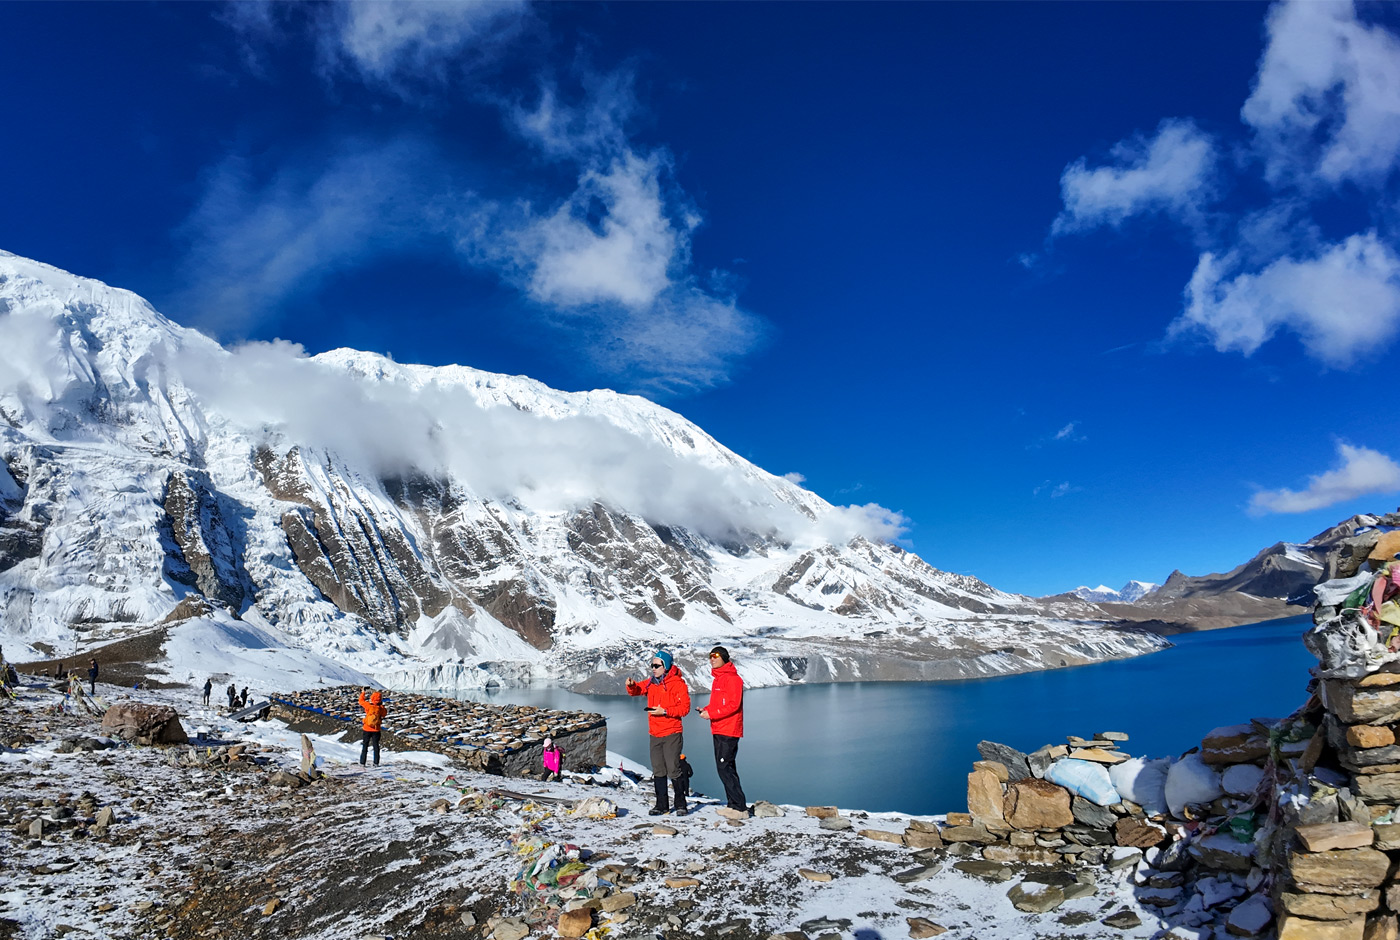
{"x": 908, "y": 746}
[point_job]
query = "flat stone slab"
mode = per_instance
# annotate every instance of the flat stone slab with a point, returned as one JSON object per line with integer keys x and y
{"x": 1321, "y": 837}
{"x": 1036, "y": 898}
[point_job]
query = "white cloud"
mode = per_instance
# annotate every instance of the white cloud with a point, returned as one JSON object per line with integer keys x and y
{"x": 1056, "y": 490}
{"x": 624, "y": 257}
{"x": 403, "y": 43}
{"x": 1326, "y": 100}
{"x": 1172, "y": 172}
{"x": 547, "y": 461}
{"x": 1342, "y": 303}
{"x": 1065, "y": 432}
{"x": 1362, "y": 472}
{"x": 795, "y": 477}
{"x": 253, "y": 244}
{"x": 597, "y": 126}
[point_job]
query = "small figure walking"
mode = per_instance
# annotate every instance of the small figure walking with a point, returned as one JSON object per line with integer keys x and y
{"x": 208, "y": 688}
{"x": 232, "y": 696}
{"x": 92, "y": 676}
{"x": 373, "y": 724}
{"x": 725, "y": 711}
{"x": 243, "y": 698}
{"x": 553, "y": 761}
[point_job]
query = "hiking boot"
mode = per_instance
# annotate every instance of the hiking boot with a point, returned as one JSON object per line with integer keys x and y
{"x": 679, "y": 801}
{"x": 663, "y": 802}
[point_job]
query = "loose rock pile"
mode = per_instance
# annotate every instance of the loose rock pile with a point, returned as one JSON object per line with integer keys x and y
{"x": 501, "y": 739}
{"x": 1289, "y": 824}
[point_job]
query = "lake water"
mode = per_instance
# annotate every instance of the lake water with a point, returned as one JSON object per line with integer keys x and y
{"x": 909, "y": 746}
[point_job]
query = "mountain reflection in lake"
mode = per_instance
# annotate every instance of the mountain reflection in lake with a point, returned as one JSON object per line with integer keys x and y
{"x": 909, "y": 746}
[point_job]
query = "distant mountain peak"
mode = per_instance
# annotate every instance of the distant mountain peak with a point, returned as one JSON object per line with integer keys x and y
{"x": 1103, "y": 594}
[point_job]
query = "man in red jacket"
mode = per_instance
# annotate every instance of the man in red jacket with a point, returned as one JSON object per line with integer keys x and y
{"x": 726, "y": 714}
{"x": 668, "y": 701}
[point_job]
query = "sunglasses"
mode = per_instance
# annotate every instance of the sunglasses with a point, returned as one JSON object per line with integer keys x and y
{"x": 658, "y": 665}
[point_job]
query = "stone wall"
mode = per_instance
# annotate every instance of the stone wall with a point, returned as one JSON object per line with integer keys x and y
{"x": 498, "y": 739}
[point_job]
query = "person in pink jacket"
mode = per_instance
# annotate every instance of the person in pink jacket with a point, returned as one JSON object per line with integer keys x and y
{"x": 726, "y": 714}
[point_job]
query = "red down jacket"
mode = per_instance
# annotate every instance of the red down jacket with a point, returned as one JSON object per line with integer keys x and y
{"x": 670, "y": 693}
{"x": 726, "y": 708}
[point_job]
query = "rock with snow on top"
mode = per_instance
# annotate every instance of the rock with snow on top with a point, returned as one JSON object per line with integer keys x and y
{"x": 1250, "y": 918}
{"x": 1036, "y": 898}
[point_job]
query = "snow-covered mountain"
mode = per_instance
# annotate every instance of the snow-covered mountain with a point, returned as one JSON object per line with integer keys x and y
{"x": 439, "y": 526}
{"x": 1103, "y": 594}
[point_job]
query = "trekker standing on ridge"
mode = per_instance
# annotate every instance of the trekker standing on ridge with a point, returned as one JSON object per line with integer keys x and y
{"x": 373, "y": 724}
{"x": 208, "y": 687}
{"x": 726, "y": 714}
{"x": 232, "y": 696}
{"x": 668, "y": 701}
{"x": 92, "y": 676}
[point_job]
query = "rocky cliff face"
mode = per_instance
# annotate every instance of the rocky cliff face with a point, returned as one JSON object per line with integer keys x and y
{"x": 439, "y": 524}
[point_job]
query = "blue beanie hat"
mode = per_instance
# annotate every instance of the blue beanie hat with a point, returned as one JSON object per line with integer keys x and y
{"x": 665, "y": 658}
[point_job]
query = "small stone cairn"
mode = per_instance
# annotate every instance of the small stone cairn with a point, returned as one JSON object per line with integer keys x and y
{"x": 1281, "y": 828}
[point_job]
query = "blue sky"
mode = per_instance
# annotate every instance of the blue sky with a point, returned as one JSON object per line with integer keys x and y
{"x": 1087, "y": 292}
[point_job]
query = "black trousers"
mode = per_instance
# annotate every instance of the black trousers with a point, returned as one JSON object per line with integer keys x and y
{"x": 726, "y": 749}
{"x": 370, "y": 737}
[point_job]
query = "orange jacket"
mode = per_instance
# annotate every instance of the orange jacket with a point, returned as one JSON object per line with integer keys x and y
{"x": 669, "y": 693}
{"x": 726, "y": 708}
{"x": 374, "y": 712}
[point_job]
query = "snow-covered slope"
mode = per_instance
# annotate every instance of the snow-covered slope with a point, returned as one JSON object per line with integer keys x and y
{"x": 1103, "y": 594}
{"x": 439, "y": 526}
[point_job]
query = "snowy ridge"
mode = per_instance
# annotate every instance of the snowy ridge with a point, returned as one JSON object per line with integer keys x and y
{"x": 1103, "y": 594}
{"x": 439, "y": 526}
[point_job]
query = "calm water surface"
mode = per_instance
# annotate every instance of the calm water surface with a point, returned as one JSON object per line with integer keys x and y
{"x": 908, "y": 746}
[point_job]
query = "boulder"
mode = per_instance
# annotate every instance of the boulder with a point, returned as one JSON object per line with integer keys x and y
{"x": 1013, "y": 760}
{"x": 1250, "y": 918}
{"x": 1379, "y": 788}
{"x": 823, "y": 812}
{"x": 984, "y": 798}
{"x": 765, "y": 810}
{"x": 1382, "y": 927}
{"x": 1340, "y": 871}
{"x": 1036, "y": 898}
{"x": 1019, "y": 855}
{"x": 575, "y": 923}
{"x": 1137, "y": 833}
{"x": 1361, "y": 705}
{"x": 1328, "y": 906}
{"x": 968, "y": 834}
{"x": 1222, "y": 852}
{"x": 922, "y": 838}
{"x": 920, "y": 928}
{"x": 1323, "y": 837}
{"x": 1098, "y": 755}
{"x": 834, "y": 823}
{"x": 1037, "y": 804}
{"x": 1366, "y": 736}
{"x": 882, "y": 835}
{"x": 995, "y": 766}
{"x": 1387, "y": 836}
{"x": 1092, "y": 814}
{"x": 1234, "y": 744}
{"x": 1293, "y": 927}
{"x": 140, "y": 723}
